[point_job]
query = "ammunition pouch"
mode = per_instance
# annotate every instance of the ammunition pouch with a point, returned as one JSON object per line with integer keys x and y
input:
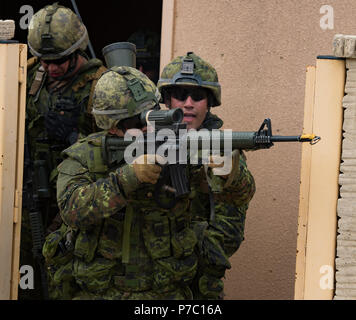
{"x": 110, "y": 243}
{"x": 94, "y": 276}
{"x": 183, "y": 243}
{"x": 92, "y": 272}
{"x": 171, "y": 272}
{"x": 86, "y": 244}
{"x": 156, "y": 235}
{"x": 133, "y": 280}
{"x": 58, "y": 259}
{"x": 170, "y": 243}
{"x": 210, "y": 287}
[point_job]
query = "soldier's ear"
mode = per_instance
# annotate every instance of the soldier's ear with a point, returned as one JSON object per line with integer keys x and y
{"x": 167, "y": 100}
{"x": 210, "y": 100}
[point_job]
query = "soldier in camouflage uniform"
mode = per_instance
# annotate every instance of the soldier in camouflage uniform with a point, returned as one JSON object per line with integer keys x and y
{"x": 60, "y": 85}
{"x": 124, "y": 244}
{"x": 218, "y": 210}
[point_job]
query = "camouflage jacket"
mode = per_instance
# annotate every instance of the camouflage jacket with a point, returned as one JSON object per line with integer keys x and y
{"x": 220, "y": 237}
{"x": 40, "y": 100}
{"x": 230, "y": 211}
{"x": 127, "y": 247}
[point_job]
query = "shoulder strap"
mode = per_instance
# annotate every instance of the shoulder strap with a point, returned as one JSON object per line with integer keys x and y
{"x": 38, "y": 81}
{"x": 31, "y": 62}
{"x": 95, "y": 161}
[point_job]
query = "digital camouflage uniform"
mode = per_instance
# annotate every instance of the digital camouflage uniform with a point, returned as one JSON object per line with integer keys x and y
{"x": 125, "y": 245}
{"x": 219, "y": 236}
{"x": 72, "y": 101}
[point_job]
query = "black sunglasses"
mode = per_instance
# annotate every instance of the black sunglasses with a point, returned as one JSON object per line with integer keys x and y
{"x": 56, "y": 61}
{"x": 182, "y": 93}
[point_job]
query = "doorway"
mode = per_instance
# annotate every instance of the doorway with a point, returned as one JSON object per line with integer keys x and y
{"x": 106, "y": 21}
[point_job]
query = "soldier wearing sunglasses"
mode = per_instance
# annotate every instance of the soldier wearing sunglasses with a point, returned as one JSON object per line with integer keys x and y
{"x": 190, "y": 83}
{"x": 60, "y": 84}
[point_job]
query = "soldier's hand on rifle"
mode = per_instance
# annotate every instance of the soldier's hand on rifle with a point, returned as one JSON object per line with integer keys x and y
{"x": 146, "y": 169}
{"x": 224, "y": 165}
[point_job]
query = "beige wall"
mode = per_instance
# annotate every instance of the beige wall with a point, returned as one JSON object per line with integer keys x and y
{"x": 261, "y": 50}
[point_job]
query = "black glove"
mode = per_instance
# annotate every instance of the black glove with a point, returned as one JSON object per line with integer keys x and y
{"x": 61, "y": 127}
{"x": 66, "y": 104}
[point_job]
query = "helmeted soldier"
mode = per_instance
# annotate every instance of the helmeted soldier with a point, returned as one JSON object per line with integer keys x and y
{"x": 125, "y": 244}
{"x": 190, "y": 83}
{"x": 60, "y": 85}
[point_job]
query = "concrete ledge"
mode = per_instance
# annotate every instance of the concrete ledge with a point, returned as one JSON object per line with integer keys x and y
{"x": 344, "y": 46}
{"x": 345, "y": 263}
{"x": 7, "y": 29}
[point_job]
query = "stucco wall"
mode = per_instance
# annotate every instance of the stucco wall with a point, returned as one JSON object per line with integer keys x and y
{"x": 260, "y": 50}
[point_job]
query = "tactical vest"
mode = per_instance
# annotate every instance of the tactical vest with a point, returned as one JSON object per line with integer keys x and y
{"x": 39, "y": 101}
{"x": 141, "y": 248}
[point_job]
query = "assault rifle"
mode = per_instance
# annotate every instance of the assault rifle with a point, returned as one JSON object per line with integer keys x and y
{"x": 173, "y": 176}
{"x": 35, "y": 189}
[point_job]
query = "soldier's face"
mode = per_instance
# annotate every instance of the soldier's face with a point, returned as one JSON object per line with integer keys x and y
{"x": 194, "y": 103}
{"x": 55, "y": 68}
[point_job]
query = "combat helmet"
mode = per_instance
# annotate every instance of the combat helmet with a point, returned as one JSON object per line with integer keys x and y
{"x": 122, "y": 92}
{"x": 193, "y": 71}
{"x": 55, "y": 32}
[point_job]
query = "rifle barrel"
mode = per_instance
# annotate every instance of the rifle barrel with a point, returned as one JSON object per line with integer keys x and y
{"x": 312, "y": 138}
{"x": 285, "y": 138}
{"x": 244, "y": 140}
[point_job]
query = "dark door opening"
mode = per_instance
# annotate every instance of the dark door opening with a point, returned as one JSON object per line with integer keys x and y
{"x": 107, "y": 22}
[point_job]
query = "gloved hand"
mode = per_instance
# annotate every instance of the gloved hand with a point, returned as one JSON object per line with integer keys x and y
{"x": 146, "y": 169}
{"x": 61, "y": 127}
{"x": 210, "y": 247}
{"x": 227, "y": 167}
{"x": 224, "y": 165}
